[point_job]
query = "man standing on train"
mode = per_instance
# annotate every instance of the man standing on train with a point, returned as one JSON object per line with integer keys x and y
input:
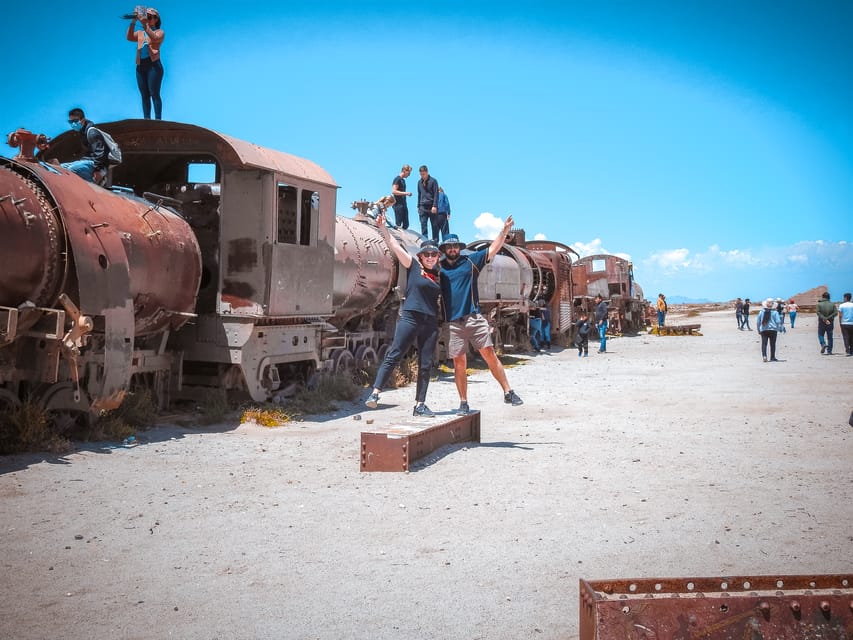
{"x": 427, "y": 201}
{"x": 398, "y": 190}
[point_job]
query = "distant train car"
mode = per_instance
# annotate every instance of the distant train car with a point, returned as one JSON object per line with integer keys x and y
{"x": 612, "y": 278}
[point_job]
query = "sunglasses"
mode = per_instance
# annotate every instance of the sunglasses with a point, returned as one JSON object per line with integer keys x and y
{"x": 73, "y": 121}
{"x": 429, "y": 254}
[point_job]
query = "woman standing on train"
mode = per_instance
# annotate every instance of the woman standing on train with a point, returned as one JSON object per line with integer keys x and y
{"x": 418, "y": 319}
{"x": 149, "y": 68}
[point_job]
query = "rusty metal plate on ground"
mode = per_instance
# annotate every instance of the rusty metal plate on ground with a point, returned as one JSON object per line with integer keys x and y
{"x": 729, "y": 608}
{"x": 396, "y": 447}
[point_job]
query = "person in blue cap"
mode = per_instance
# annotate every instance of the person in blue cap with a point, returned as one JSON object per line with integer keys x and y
{"x": 461, "y": 301}
{"x": 418, "y": 321}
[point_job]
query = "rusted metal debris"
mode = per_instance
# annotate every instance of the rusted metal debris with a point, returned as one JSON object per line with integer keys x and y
{"x": 729, "y": 608}
{"x": 677, "y": 330}
{"x": 396, "y": 447}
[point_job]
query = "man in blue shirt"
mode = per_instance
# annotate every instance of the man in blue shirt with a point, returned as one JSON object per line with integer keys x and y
{"x": 461, "y": 298}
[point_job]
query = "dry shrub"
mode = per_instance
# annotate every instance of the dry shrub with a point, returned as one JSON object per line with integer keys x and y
{"x": 24, "y": 428}
{"x": 322, "y": 398}
{"x": 137, "y": 411}
{"x": 266, "y": 416}
{"x": 405, "y": 373}
{"x": 212, "y": 406}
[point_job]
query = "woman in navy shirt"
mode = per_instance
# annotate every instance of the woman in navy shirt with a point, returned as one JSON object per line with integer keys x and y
{"x": 418, "y": 320}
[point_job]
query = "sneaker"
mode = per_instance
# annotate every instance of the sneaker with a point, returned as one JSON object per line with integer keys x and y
{"x": 463, "y": 409}
{"x": 373, "y": 401}
{"x": 823, "y": 348}
{"x": 764, "y": 358}
{"x": 586, "y": 355}
{"x": 579, "y": 354}
{"x": 773, "y": 360}
{"x": 511, "y": 398}
{"x": 422, "y": 411}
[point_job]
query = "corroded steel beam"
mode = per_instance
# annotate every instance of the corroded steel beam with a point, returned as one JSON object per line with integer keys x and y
{"x": 729, "y": 608}
{"x": 396, "y": 447}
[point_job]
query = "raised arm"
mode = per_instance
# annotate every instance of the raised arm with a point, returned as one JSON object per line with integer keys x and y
{"x": 499, "y": 240}
{"x": 131, "y": 34}
{"x": 403, "y": 256}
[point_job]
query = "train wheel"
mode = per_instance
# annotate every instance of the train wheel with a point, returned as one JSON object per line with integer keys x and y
{"x": 365, "y": 357}
{"x": 342, "y": 361}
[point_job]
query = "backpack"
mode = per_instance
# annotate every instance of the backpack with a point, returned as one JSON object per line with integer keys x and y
{"x": 113, "y": 150}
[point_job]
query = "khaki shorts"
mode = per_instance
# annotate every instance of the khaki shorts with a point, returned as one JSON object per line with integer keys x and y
{"x": 473, "y": 329}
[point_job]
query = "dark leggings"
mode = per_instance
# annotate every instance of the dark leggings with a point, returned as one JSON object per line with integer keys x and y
{"x": 412, "y": 328}
{"x": 768, "y": 336}
{"x": 149, "y": 77}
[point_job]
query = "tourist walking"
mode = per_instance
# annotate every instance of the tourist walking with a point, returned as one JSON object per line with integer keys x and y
{"x": 845, "y": 321}
{"x": 746, "y": 304}
{"x": 826, "y": 313}
{"x": 739, "y": 313}
{"x": 601, "y": 311}
{"x": 769, "y": 323}
{"x": 792, "y": 311}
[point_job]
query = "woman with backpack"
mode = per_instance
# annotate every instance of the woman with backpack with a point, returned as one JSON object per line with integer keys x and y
{"x": 769, "y": 324}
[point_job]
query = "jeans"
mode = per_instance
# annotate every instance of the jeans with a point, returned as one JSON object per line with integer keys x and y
{"x": 768, "y": 336}
{"x": 401, "y": 215}
{"x": 825, "y": 329}
{"x": 83, "y": 168}
{"x": 847, "y": 336}
{"x": 746, "y": 321}
{"x": 602, "y": 335}
{"x": 661, "y": 317}
{"x": 412, "y": 328}
{"x": 739, "y": 317}
{"x": 149, "y": 77}
{"x": 793, "y": 315}
{"x": 439, "y": 224}
{"x": 536, "y": 333}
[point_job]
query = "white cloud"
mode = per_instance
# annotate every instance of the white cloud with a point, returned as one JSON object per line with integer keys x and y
{"x": 488, "y": 226}
{"x": 671, "y": 260}
{"x": 540, "y": 236}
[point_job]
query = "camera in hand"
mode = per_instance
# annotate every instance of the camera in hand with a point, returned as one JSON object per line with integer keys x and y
{"x": 138, "y": 13}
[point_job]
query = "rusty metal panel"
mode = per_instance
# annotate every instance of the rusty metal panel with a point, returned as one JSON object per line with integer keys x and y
{"x": 396, "y": 447}
{"x": 729, "y": 608}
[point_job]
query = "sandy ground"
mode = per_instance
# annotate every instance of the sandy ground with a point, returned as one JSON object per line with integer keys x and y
{"x": 670, "y": 456}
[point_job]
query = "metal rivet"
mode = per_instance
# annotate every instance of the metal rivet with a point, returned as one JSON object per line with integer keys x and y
{"x": 795, "y": 606}
{"x": 824, "y": 606}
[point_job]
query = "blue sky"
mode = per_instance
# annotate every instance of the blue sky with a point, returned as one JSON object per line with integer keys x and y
{"x": 710, "y": 142}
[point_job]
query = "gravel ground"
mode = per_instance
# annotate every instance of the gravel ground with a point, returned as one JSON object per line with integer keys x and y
{"x": 667, "y": 456}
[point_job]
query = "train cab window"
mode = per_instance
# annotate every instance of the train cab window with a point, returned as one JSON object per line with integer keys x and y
{"x": 287, "y": 214}
{"x": 310, "y": 216}
{"x": 298, "y": 215}
{"x": 201, "y": 173}
{"x": 599, "y": 265}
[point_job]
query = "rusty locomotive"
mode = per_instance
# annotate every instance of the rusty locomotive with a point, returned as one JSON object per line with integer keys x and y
{"x": 207, "y": 261}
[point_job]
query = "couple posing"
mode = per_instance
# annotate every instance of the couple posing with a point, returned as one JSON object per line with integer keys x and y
{"x": 456, "y": 282}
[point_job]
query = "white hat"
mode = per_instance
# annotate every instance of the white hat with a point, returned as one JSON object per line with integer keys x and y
{"x": 769, "y": 303}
